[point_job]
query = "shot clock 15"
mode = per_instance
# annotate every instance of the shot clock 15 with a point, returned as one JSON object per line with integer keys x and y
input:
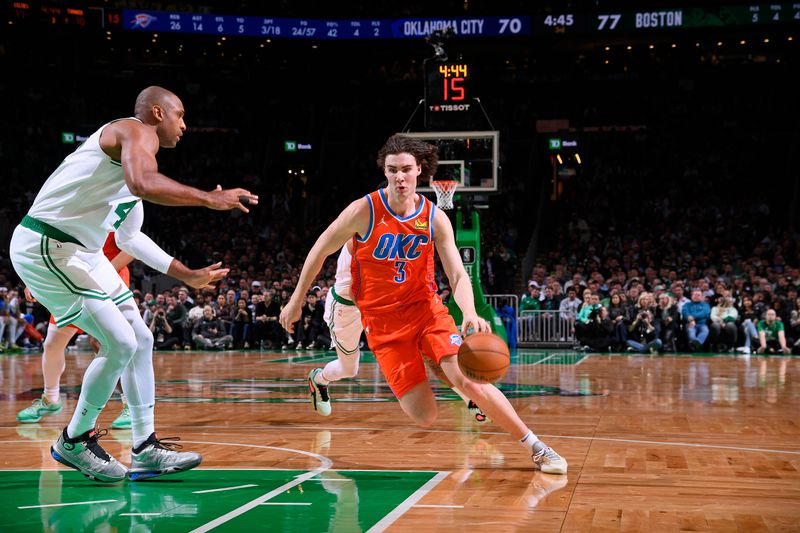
{"x": 448, "y": 90}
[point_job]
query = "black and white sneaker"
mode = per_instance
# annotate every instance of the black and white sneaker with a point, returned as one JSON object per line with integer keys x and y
{"x": 84, "y": 454}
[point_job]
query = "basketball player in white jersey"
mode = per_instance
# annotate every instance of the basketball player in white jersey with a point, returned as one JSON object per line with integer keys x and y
{"x": 57, "y": 251}
{"x": 344, "y": 321}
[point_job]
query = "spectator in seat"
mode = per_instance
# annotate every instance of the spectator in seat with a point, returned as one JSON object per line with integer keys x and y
{"x": 772, "y": 334}
{"x": 209, "y": 333}
{"x": 748, "y": 319}
{"x": 531, "y": 301}
{"x": 240, "y": 327}
{"x": 666, "y": 320}
{"x": 310, "y": 324}
{"x": 642, "y": 334}
{"x": 587, "y": 319}
{"x": 177, "y": 316}
{"x": 695, "y": 318}
{"x": 618, "y": 315}
{"x": 164, "y": 337}
{"x": 568, "y": 308}
{"x": 723, "y": 330}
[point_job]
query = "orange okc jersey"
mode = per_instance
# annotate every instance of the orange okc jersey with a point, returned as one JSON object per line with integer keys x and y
{"x": 393, "y": 263}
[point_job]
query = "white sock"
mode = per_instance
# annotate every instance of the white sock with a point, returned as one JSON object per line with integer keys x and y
{"x": 53, "y": 395}
{"x": 319, "y": 378}
{"x": 84, "y": 418}
{"x": 142, "y": 424}
{"x": 123, "y": 398}
{"x": 529, "y": 440}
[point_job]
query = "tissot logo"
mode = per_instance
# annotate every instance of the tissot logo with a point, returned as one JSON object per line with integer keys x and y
{"x": 449, "y": 107}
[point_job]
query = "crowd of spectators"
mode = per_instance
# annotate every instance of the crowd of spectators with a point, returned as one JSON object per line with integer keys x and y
{"x": 660, "y": 210}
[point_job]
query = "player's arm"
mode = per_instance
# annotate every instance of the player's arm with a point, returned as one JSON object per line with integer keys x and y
{"x": 121, "y": 260}
{"x": 138, "y": 147}
{"x": 131, "y": 240}
{"x": 456, "y": 273}
{"x": 354, "y": 220}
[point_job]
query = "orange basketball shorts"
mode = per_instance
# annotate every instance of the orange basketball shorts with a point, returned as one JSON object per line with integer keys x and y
{"x": 125, "y": 274}
{"x": 402, "y": 338}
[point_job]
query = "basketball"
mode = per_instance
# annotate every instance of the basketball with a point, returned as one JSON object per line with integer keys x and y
{"x": 483, "y": 357}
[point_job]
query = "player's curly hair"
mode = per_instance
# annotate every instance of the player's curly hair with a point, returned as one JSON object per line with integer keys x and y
{"x": 426, "y": 154}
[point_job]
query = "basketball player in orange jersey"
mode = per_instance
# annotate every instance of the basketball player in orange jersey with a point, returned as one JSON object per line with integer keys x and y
{"x": 393, "y": 232}
{"x": 56, "y": 342}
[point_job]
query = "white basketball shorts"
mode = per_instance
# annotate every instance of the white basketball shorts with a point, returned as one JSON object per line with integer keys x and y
{"x": 62, "y": 274}
{"x": 344, "y": 321}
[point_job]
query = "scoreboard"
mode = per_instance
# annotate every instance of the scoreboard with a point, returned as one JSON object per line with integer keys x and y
{"x": 308, "y": 28}
{"x": 644, "y": 21}
{"x": 545, "y": 22}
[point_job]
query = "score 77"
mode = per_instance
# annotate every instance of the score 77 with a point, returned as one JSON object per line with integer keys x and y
{"x": 604, "y": 19}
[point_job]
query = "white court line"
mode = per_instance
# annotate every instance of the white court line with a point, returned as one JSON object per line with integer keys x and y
{"x": 409, "y": 502}
{"x": 435, "y": 506}
{"x": 223, "y": 489}
{"x": 326, "y": 464}
{"x": 63, "y": 504}
{"x": 258, "y": 501}
{"x": 140, "y": 514}
{"x": 286, "y": 503}
{"x": 540, "y": 361}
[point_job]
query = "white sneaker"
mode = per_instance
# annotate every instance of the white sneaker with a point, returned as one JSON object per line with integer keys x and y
{"x": 84, "y": 454}
{"x": 158, "y": 457}
{"x": 743, "y": 349}
{"x": 547, "y": 460}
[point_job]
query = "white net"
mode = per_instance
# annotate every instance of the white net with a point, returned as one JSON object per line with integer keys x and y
{"x": 444, "y": 190}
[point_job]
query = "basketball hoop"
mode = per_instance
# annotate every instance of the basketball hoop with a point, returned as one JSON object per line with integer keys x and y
{"x": 444, "y": 190}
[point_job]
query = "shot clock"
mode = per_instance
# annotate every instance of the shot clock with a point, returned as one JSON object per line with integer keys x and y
{"x": 448, "y": 93}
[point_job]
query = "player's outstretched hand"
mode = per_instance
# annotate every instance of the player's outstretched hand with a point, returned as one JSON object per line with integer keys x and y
{"x": 289, "y": 315}
{"x": 225, "y": 199}
{"x": 28, "y": 296}
{"x": 204, "y": 278}
{"x": 475, "y": 323}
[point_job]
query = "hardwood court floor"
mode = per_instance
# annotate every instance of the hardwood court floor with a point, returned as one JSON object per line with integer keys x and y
{"x": 654, "y": 443}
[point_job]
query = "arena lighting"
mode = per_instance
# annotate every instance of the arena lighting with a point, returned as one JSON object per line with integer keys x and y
{"x": 630, "y": 47}
{"x": 766, "y": 40}
{"x": 719, "y": 43}
{"x": 651, "y": 46}
{"x": 790, "y": 38}
{"x": 742, "y": 42}
{"x": 560, "y": 161}
{"x": 578, "y": 158}
{"x": 608, "y": 48}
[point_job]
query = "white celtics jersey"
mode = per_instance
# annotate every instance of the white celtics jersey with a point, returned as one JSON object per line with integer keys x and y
{"x": 86, "y": 197}
{"x": 343, "y": 279}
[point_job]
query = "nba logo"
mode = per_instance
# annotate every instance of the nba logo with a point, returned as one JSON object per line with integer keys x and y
{"x": 455, "y": 339}
{"x": 467, "y": 254}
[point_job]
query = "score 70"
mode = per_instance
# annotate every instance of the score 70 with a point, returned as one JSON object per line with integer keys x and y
{"x": 612, "y": 21}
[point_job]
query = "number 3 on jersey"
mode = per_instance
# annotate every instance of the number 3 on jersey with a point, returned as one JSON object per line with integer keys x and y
{"x": 122, "y": 211}
{"x": 401, "y": 273}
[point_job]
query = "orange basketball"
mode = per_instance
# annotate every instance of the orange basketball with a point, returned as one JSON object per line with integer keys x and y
{"x": 483, "y": 357}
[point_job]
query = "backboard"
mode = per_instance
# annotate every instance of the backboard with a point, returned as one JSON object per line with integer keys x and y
{"x": 469, "y": 157}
